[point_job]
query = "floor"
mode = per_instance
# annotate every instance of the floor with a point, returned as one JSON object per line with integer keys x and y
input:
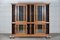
{"x": 53, "y": 37}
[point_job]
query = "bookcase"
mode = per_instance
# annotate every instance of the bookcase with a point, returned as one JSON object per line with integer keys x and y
{"x": 30, "y": 19}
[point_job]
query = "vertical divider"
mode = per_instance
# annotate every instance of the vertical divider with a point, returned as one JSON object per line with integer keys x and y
{"x": 26, "y": 19}
{"x": 17, "y": 13}
{"x": 36, "y": 12}
{"x": 13, "y": 18}
{"x": 30, "y": 18}
{"x": 47, "y": 18}
{"x": 24, "y": 11}
{"x": 34, "y": 19}
{"x": 42, "y": 18}
{"x": 30, "y": 12}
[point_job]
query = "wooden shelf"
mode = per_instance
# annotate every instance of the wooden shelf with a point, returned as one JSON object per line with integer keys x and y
{"x": 13, "y": 22}
{"x": 31, "y": 35}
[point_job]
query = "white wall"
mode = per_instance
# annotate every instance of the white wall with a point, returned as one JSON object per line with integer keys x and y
{"x": 6, "y": 14}
{"x": 5, "y": 18}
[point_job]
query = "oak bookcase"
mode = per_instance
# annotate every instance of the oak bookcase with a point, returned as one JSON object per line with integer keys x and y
{"x": 30, "y": 19}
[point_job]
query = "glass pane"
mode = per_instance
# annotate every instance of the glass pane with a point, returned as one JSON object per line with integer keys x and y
{"x": 47, "y": 28}
{"x": 47, "y": 13}
{"x": 20, "y": 28}
{"x": 28, "y": 28}
{"x": 32, "y": 13}
{"x": 32, "y": 28}
{"x": 21, "y": 13}
{"x": 16, "y": 28}
{"x": 28, "y": 13}
{"x": 13, "y": 28}
{"x": 39, "y": 13}
{"x": 13, "y": 13}
{"x": 39, "y": 28}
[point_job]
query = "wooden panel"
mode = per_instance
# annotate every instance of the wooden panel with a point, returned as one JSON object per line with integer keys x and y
{"x": 13, "y": 28}
{"x": 13, "y": 13}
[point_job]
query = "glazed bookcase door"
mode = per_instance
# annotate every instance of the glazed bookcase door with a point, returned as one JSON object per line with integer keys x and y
{"x": 20, "y": 13}
{"x": 40, "y": 19}
{"x": 30, "y": 19}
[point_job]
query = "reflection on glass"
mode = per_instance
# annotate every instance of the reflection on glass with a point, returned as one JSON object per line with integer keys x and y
{"x": 21, "y": 13}
{"x": 39, "y": 28}
{"x": 21, "y": 28}
{"x": 39, "y": 13}
{"x": 16, "y": 13}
